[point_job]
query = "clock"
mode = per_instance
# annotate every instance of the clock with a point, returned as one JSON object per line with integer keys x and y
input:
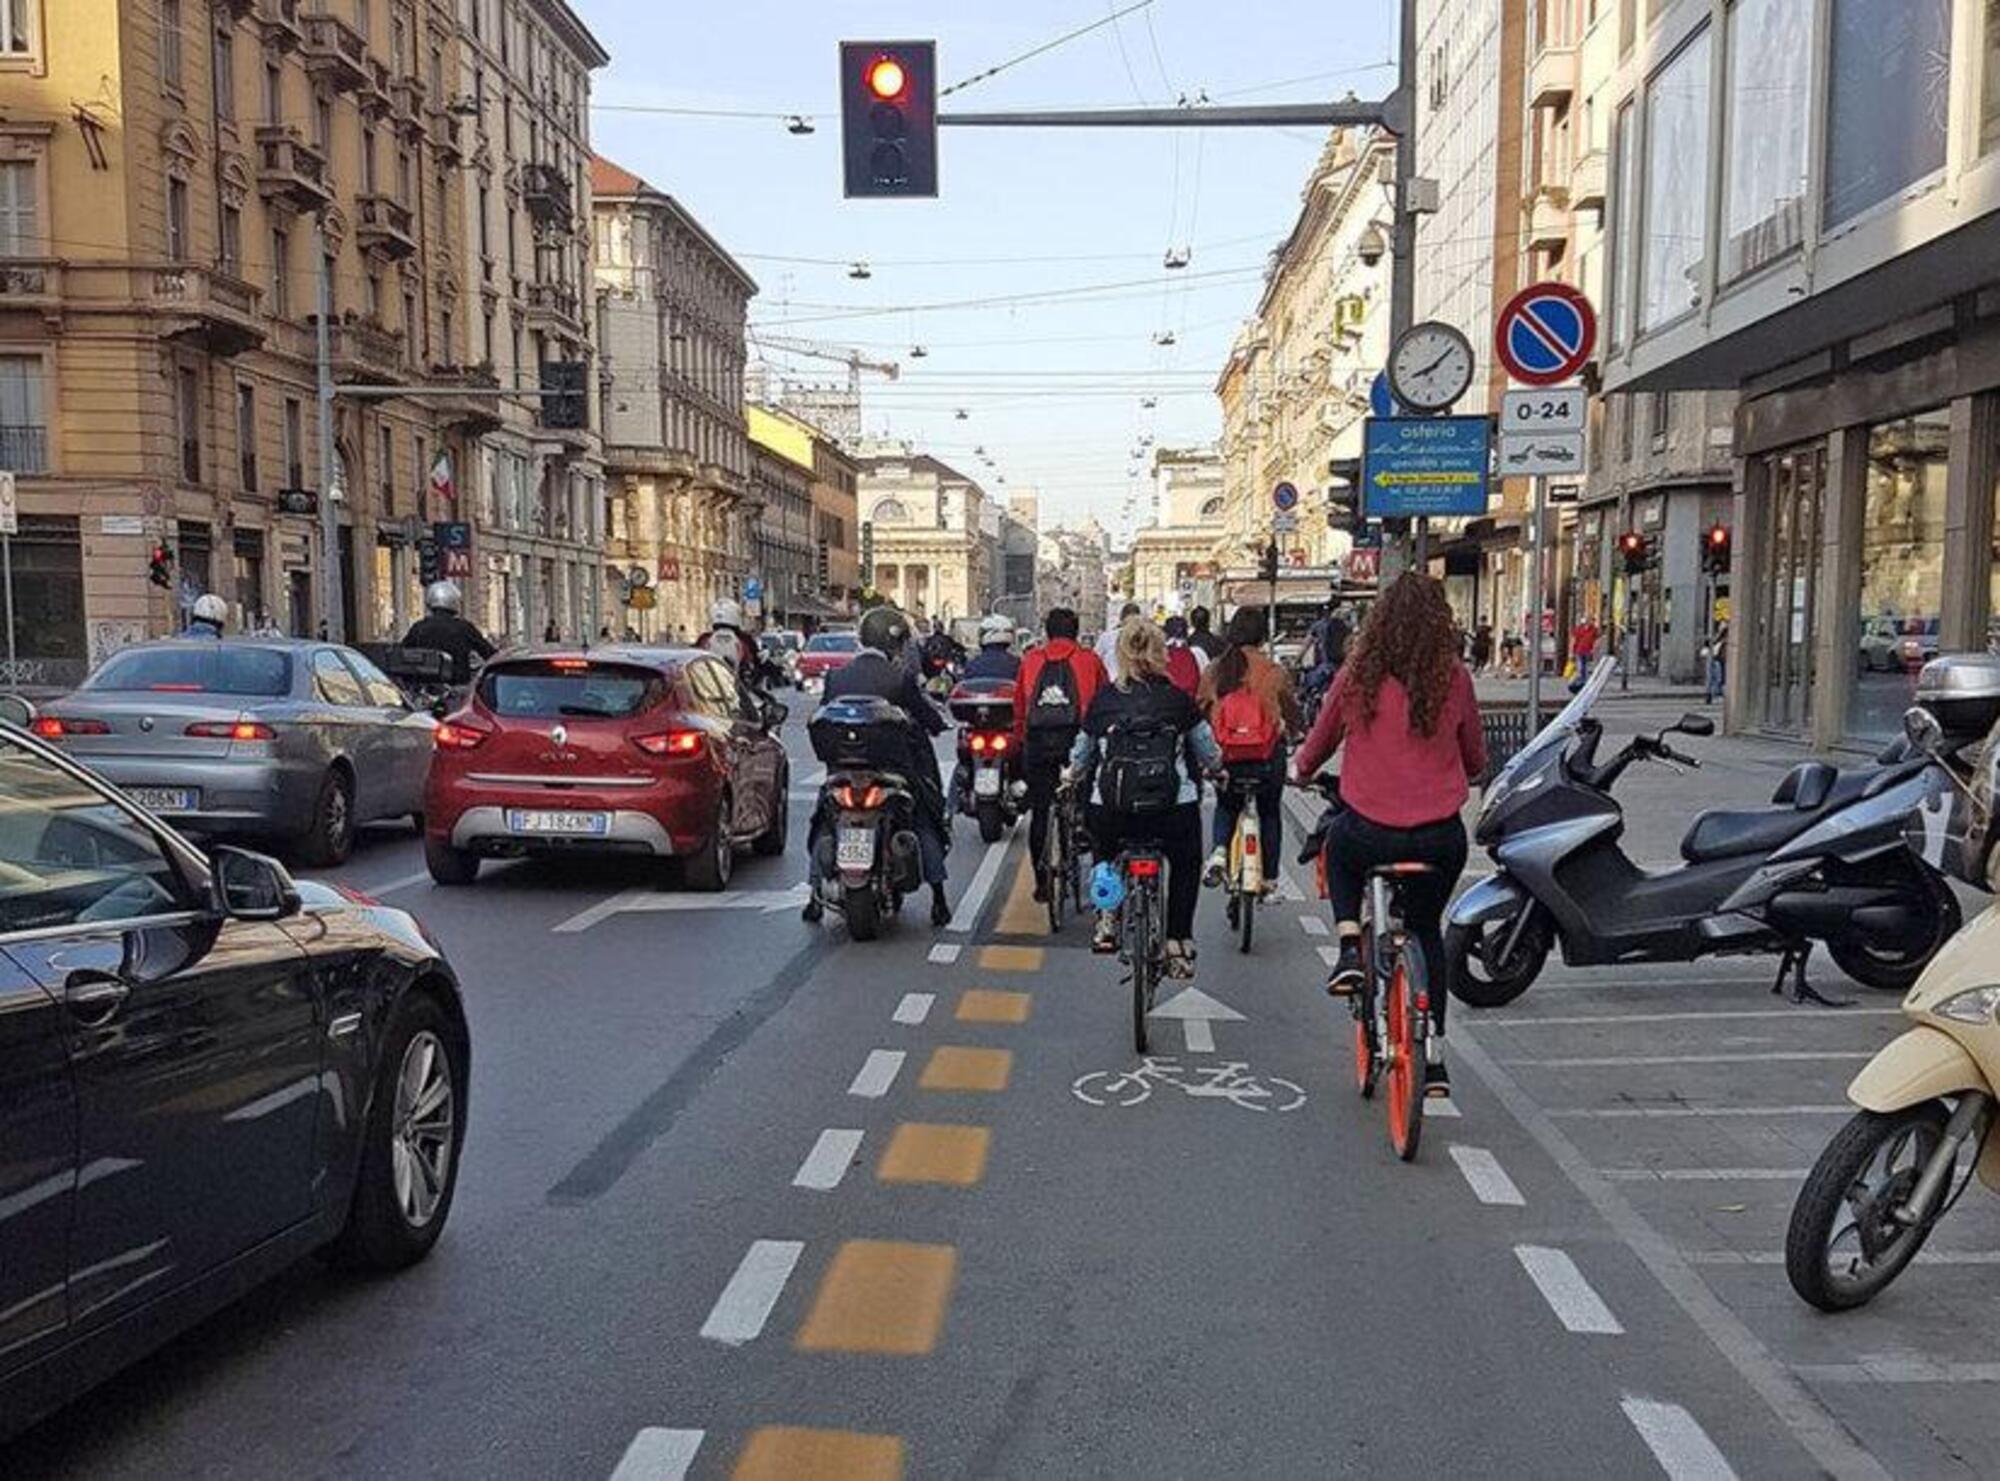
{"x": 1430, "y": 367}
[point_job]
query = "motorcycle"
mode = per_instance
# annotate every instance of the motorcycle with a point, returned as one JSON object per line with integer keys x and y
{"x": 986, "y": 784}
{"x": 1927, "y": 1102}
{"x": 1825, "y": 863}
{"x": 864, "y": 833}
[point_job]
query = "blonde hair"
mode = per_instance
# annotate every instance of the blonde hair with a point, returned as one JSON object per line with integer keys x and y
{"x": 1142, "y": 651}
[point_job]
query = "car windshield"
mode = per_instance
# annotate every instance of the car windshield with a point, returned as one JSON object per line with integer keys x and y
{"x": 1558, "y": 731}
{"x": 834, "y": 643}
{"x": 570, "y": 687}
{"x": 210, "y": 668}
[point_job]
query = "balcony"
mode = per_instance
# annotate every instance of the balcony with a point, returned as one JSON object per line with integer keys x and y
{"x": 279, "y": 20}
{"x": 1587, "y": 181}
{"x": 1552, "y": 77}
{"x": 473, "y": 414}
{"x": 28, "y": 284}
{"x": 209, "y": 308}
{"x": 554, "y": 307}
{"x": 545, "y": 191}
{"x": 374, "y": 98}
{"x": 335, "y": 53}
{"x": 24, "y": 448}
{"x": 1549, "y": 220}
{"x": 289, "y": 170}
{"x": 406, "y": 106}
{"x": 383, "y": 225}
{"x": 364, "y": 350}
{"x": 238, "y": 10}
{"x": 447, "y": 132}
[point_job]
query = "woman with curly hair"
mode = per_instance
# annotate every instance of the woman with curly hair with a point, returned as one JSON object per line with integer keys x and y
{"x": 1404, "y": 706}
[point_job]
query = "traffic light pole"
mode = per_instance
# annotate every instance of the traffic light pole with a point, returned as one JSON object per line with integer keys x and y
{"x": 332, "y": 607}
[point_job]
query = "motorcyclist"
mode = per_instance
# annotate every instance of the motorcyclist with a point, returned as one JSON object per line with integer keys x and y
{"x": 444, "y": 629}
{"x": 877, "y": 670}
{"x": 941, "y": 651}
{"x": 996, "y": 658}
{"x": 1057, "y": 682}
{"x": 727, "y": 640}
{"x": 206, "y": 617}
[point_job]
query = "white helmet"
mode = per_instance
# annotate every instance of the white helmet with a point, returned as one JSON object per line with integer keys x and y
{"x": 726, "y": 613}
{"x": 208, "y": 607}
{"x": 443, "y": 596}
{"x": 996, "y": 629}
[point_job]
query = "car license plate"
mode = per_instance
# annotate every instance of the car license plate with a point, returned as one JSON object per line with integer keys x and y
{"x": 165, "y": 799}
{"x": 586, "y": 824}
{"x": 856, "y": 849}
{"x": 986, "y": 781}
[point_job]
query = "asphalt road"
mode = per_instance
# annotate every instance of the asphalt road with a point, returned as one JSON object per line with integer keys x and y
{"x": 740, "y": 1195}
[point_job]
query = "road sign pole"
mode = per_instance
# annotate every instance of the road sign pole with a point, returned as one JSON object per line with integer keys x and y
{"x": 1535, "y": 597}
{"x": 7, "y": 564}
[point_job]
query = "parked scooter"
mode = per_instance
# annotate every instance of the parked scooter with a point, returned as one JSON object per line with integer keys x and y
{"x": 986, "y": 783}
{"x": 865, "y": 833}
{"x": 1927, "y": 1101}
{"x": 1826, "y": 863}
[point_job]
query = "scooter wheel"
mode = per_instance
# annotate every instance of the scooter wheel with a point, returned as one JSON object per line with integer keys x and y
{"x": 1479, "y": 983}
{"x": 1843, "y": 1247}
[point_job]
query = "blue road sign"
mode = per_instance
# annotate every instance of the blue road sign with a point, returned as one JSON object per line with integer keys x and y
{"x": 1285, "y": 497}
{"x": 753, "y": 589}
{"x": 1545, "y": 334}
{"x": 1415, "y": 466}
{"x": 1380, "y": 402}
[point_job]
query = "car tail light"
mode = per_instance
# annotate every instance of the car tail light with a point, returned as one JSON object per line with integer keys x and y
{"x": 569, "y": 665}
{"x": 670, "y": 743}
{"x": 53, "y": 727}
{"x": 1143, "y": 868}
{"x": 175, "y": 688}
{"x": 458, "y": 735}
{"x": 232, "y": 730}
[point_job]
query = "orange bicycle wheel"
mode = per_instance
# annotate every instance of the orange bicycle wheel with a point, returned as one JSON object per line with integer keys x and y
{"x": 1405, "y": 1100}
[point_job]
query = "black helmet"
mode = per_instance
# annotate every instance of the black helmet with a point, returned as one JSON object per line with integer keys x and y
{"x": 885, "y": 630}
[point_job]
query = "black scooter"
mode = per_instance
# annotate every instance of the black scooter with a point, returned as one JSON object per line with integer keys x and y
{"x": 1827, "y": 862}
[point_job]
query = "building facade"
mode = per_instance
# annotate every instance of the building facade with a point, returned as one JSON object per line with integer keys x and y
{"x": 784, "y": 554}
{"x": 1806, "y": 212}
{"x": 1173, "y": 560}
{"x": 671, "y": 311}
{"x": 1073, "y": 572}
{"x": 924, "y": 524}
{"x": 836, "y": 526}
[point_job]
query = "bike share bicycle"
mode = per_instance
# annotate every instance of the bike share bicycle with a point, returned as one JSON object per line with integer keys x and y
{"x": 1245, "y": 876}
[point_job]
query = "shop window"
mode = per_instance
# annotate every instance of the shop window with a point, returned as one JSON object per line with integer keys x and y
{"x": 1902, "y": 568}
{"x": 1676, "y": 192}
{"x": 247, "y": 551}
{"x": 48, "y": 602}
{"x": 1770, "y": 126}
{"x": 1889, "y": 100}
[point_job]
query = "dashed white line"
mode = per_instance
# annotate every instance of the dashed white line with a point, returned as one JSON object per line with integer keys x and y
{"x": 1584, "y": 1020}
{"x": 1676, "y": 1113}
{"x": 1313, "y": 925}
{"x": 827, "y": 1163}
{"x": 603, "y": 910}
{"x": 1489, "y": 1180}
{"x": 659, "y": 1455}
{"x": 745, "y": 1304}
{"x": 1576, "y": 1305}
{"x": 392, "y": 886}
{"x": 915, "y": 1007}
{"x": 1703, "y": 1174}
{"x": 944, "y": 953}
{"x": 966, "y": 916}
{"x": 878, "y": 1072}
{"x": 1678, "y": 1441}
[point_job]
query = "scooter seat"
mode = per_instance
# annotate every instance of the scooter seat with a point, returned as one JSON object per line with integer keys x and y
{"x": 1729, "y": 835}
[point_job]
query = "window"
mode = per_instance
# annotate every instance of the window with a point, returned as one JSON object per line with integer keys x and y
{"x": 274, "y": 93}
{"x": 281, "y": 273}
{"x": 445, "y": 333}
{"x": 323, "y": 127}
{"x": 378, "y": 686}
{"x": 1902, "y": 567}
{"x": 385, "y": 467}
{"x": 246, "y": 437}
{"x": 1675, "y": 189}
{"x": 1989, "y": 133}
{"x": 363, "y": 21}
{"x": 334, "y": 682}
{"x": 487, "y": 358}
{"x": 222, "y": 64}
{"x": 1662, "y": 419}
{"x": 1769, "y": 131}
{"x": 17, "y": 27}
{"x": 409, "y": 324}
{"x": 330, "y": 266}
{"x": 367, "y": 159}
{"x": 1888, "y": 100}
{"x": 437, "y": 76}
{"x": 170, "y": 43}
{"x": 403, "y": 177}
{"x": 187, "y": 420}
{"x": 420, "y": 470}
{"x": 177, "y": 220}
{"x": 375, "y": 295}
{"x": 295, "y": 472}
{"x": 20, "y": 210}
{"x": 229, "y": 256}
{"x": 24, "y": 436}
{"x": 399, "y": 45}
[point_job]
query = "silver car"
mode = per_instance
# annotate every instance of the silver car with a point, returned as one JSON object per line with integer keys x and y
{"x": 281, "y": 739}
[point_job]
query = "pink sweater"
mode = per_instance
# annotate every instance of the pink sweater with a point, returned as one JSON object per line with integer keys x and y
{"x": 1391, "y": 775}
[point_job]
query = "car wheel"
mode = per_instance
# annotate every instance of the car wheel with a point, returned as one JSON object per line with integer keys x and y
{"x": 411, "y": 1142}
{"x": 330, "y": 838}
{"x": 448, "y": 865}
{"x": 708, "y": 869}
{"x": 771, "y": 842}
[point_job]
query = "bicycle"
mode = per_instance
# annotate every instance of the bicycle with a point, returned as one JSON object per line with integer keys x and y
{"x": 1142, "y": 942}
{"x": 1062, "y": 868}
{"x": 1246, "y": 875}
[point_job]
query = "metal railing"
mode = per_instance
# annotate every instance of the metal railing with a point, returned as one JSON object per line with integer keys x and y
{"x": 24, "y": 449}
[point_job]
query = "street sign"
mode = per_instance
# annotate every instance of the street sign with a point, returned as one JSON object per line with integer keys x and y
{"x": 10, "y": 505}
{"x": 1416, "y": 466}
{"x": 1545, "y": 334}
{"x": 1565, "y": 493}
{"x": 1364, "y": 564}
{"x": 753, "y": 589}
{"x": 1552, "y": 409}
{"x": 1380, "y": 402}
{"x": 1285, "y": 498}
{"x": 1531, "y": 455}
{"x": 1285, "y": 522}
{"x": 454, "y": 548}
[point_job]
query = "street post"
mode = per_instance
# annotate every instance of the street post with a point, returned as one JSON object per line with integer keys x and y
{"x": 332, "y": 605}
{"x": 10, "y": 526}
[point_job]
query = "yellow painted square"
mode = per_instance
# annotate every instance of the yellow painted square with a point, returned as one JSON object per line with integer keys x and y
{"x": 987, "y": 1005}
{"x": 883, "y": 1297}
{"x": 782, "y": 1453}
{"x": 954, "y": 1067}
{"x": 1023, "y": 914}
{"x": 1011, "y": 958}
{"x": 935, "y": 1154}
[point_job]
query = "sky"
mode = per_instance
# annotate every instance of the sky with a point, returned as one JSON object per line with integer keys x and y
{"x": 1052, "y": 390}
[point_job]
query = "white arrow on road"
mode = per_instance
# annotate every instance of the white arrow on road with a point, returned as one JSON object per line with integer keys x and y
{"x": 770, "y": 902}
{"x": 1196, "y": 1011}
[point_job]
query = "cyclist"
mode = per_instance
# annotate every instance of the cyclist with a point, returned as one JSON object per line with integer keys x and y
{"x": 1185, "y": 663}
{"x": 1200, "y": 638}
{"x": 1251, "y": 708}
{"x": 1107, "y": 641}
{"x": 1149, "y": 747}
{"x": 1058, "y": 680}
{"x": 1405, "y": 708}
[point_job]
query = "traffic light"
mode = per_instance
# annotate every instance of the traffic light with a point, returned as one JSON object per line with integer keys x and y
{"x": 888, "y": 117}
{"x": 160, "y": 564}
{"x": 1632, "y": 550}
{"x": 1343, "y": 495}
{"x": 1715, "y": 550}
{"x": 1267, "y": 567}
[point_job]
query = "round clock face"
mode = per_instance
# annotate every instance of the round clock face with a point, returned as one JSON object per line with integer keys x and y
{"x": 1430, "y": 367}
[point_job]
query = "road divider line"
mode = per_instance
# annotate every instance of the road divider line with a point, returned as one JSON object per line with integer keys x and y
{"x": 1022, "y": 914}
{"x": 659, "y": 1455}
{"x": 1576, "y": 1305}
{"x": 877, "y": 1073}
{"x": 1313, "y": 925}
{"x": 1682, "y": 1113}
{"x": 944, "y": 954}
{"x": 783, "y": 1453}
{"x": 827, "y": 1163}
{"x": 1488, "y": 1179}
{"x": 973, "y": 901}
{"x": 602, "y": 911}
{"x": 1586, "y": 1020}
{"x": 1678, "y": 1441}
{"x": 880, "y": 1296}
{"x": 745, "y": 1304}
{"x": 1899, "y": 1370}
{"x": 915, "y": 1007}
{"x": 1640, "y": 1061}
{"x": 1704, "y": 1174}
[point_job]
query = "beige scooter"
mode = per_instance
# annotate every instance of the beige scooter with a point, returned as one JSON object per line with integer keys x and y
{"x": 1929, "y": 1103}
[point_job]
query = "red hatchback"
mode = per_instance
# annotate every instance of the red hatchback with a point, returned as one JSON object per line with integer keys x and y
{"x": 825, "y": 652}
{"x": 649, "y": 751}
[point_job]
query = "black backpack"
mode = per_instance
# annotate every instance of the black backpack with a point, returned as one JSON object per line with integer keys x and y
{"x": 1139, "y": 772}
{"x": 1054, "y": 710}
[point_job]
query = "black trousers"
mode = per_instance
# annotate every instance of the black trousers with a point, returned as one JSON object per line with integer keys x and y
{"x": 1176, "y": 833}
{"x": 1355, "y": 845}
{"x": 1041, "y": 775}
{"x": 1270, "y": 780}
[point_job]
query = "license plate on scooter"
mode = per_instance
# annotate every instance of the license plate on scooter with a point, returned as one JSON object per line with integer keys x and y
{"x": 855, "y": 848}
{"x": 986, "y": 782}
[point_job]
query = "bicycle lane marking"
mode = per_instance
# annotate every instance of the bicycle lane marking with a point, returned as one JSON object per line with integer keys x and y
{"x": 1230, "y": 1081}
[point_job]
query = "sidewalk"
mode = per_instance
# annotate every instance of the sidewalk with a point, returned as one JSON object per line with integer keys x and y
{"x": 1493, "y": 688}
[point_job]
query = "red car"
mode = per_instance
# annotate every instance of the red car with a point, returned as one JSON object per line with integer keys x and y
{"x": 825, "y": 652}
{"x": 647, "y": 751}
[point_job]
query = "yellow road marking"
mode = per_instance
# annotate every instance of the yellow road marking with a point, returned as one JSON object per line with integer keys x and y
{"x": 987, "y": 1005}
{"x": 935, "y": 1154}
{"x": 955, "y": 1068}
{"x": 1023, "y": 915}
{"x": 780, "y": 1453}
{"x": 1011, "y": 958}
{"x": 883, "y": 1297}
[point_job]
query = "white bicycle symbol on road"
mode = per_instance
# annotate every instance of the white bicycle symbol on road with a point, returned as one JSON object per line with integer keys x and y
{"x": 1232, "y": 1082}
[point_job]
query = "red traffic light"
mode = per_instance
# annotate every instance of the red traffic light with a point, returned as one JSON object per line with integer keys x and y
{"x": 1718, "y": 536}
{"x": 1631, "y": 542}
{"x": 886, "y": 78}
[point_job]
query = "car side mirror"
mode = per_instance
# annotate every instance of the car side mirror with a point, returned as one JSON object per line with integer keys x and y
{"x": 1925, "y": 733}
{"x": 248, "y": 886}
{"x": 16, "y": 710}
{"x": 1693, "y": 724}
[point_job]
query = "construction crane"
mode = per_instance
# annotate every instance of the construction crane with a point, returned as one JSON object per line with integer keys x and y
{"x": 852, "y": 358}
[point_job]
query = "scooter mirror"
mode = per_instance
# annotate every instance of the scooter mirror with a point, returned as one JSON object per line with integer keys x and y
{"x": 1923, "y": 729}
{"x": 1693, "y": 724}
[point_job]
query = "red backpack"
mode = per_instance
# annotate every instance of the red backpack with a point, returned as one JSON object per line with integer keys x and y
{"x": 1184, "y": 670}
{"x": 1244, "y": 730}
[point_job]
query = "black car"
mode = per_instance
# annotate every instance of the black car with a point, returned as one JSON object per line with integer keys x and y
{"x": 206, "y": 1071}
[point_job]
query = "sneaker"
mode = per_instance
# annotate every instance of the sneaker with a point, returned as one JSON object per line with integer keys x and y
{"x": 1346, "y": 978}
{"x": 1041, "y": 887}
{"x": 1217, "y": 870}
{"x": 940, "y": 908}
{"x": 814, "y": 912}
{"x": 1104, "y": 940}
{"x": 1437, "y": 1079}
{"x": 1180, "y": 960}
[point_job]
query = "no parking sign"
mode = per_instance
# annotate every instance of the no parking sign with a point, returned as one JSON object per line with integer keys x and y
{"x": 1546, "y": 334}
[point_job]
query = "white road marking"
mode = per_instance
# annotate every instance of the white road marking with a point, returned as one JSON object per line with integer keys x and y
{"x": 1312, "y": 925}
{"x": 827, "y": 1163}
{"x": 1675, "y": 1113}
{"x": 915, "y": 1007}
{"x": 1899, "y": 1370}
{"x": 1700, "y": 1015}
{"x": 945, "y": 953}
{"x": 391, "y": 886}
{"x": 1442, "y": 1109}
{"x": 746, "y": 1302}
{"x": 1200, "y": 1036}
{"x": 1703, "y": 1174}
{"x": 1624, "y": 1061}
{"x": 1576, "y": 1305}
{"x": 659, "y": 1455}
{"x": 1489, "y": 1180}
{"x": 1330, "y": 955}
{"x": 966, "y": 916}
{"x": 1678, "y": 1442}
{"x": 878, "y": 1072}
{"x": 603, "y": 910}
{"x": 1777, "y": 1257}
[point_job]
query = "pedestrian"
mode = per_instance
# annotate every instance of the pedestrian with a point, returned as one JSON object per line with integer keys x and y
{"x": 1200, "y": 638}
{"x": 550, "y": 633}
{"x": 1482, "y": 647}
{"x": 1510, "y": 656}
{"x": 1185, "y": 664}
{"x": 1716, "y": 651}
{"x": 1582, "y": 648}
